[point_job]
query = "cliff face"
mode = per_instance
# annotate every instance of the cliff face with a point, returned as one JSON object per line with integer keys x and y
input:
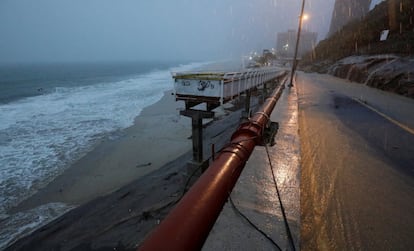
{"x": 355, "y": 52}
{"x": 361, "y": 37}
{"x": 385, "y": 72}
{"x": 346, "y": 11}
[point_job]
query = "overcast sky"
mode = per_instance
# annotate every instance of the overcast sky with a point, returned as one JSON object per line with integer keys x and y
{"x": 95, "y": 30}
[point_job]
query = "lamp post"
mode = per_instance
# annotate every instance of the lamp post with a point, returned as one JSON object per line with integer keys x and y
{"x": 294, "y": 63}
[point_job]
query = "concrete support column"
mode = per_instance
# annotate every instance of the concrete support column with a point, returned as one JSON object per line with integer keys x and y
{"x": 197, "y": 133}
{"x": 247, "y": 104}
{"x": 246, "y": 112}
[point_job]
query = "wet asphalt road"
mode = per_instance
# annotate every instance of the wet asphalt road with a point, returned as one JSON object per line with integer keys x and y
{"x": 357, "y": 167}
{"x": 346, "y": 179}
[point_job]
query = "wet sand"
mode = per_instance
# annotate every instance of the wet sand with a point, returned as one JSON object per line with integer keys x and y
{"x": 148, "y": 159}
{"x": 122, "y": 196}
{"x": 158, "y": 136}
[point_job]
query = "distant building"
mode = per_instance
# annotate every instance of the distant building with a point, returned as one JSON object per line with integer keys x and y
{"x": 286, "y": 42}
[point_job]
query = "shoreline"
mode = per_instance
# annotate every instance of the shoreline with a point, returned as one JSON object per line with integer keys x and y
{"x": 150, "y": 158}
{"x": 114, "y": 163}
{"x": 122, "y": 217}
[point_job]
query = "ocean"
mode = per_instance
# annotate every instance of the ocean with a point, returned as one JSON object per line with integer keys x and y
{"x": 53, "y": 114}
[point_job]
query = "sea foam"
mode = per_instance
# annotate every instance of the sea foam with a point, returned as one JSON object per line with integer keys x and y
{"x": 40, "y": 136}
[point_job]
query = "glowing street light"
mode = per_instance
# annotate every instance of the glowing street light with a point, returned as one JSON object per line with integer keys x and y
{"x": 304, "y": 19}
{"x": 294, "y": 63}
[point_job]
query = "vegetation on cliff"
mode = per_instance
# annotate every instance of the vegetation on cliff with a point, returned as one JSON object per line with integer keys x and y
{"x": 356, "y": 52}
{"x": 362, "y": 37}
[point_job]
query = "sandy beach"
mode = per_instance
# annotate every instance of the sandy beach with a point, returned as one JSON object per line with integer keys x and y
{"x": 120, "y": 206}
{"x": 158, "y": 136}
{"x": 132, "y": 178}
{"x": 147, "y": 160}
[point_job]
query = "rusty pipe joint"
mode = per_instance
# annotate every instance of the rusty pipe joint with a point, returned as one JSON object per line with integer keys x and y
{"x": 250, "y": 130}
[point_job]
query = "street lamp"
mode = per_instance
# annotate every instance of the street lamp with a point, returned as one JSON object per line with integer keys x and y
{"x": 294, "y": 63}
{"x": 305, "y": 17}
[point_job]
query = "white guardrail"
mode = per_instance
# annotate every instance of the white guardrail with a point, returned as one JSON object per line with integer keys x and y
{"x": 221, "y": 86}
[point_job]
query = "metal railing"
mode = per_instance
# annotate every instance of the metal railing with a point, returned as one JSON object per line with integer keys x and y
{"x": 221, "y": 86}
{"x": 187, "y": 226}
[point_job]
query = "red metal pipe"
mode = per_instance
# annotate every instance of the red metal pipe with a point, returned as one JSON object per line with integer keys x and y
{"x": 187, "y": 226}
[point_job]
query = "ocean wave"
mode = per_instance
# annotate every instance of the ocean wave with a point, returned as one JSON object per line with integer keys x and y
{"x": 42, "y": 135}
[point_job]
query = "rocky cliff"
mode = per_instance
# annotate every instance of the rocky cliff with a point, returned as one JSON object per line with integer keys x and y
{"x": 385, "y": 72}
{"x": 357, "y": 53}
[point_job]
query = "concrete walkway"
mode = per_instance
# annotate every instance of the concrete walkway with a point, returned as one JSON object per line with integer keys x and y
{"x": 255, "y": 193}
